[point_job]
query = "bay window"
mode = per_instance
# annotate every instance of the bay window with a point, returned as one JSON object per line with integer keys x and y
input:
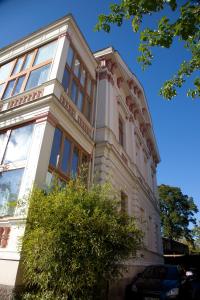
{"x": 66, "y": 156}
{"x": 78, "y": 83}
{"x": 14, "y": 149}
{"x": 27, "y": 71}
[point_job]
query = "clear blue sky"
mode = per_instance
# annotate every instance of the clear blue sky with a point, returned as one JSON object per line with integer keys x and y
{"x": 176, "y": 123}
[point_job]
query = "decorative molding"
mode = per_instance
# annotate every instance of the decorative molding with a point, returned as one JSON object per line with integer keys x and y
{"x": 120, "y": 80}
{"x": 67, "y": 35}
{"x": 4, "y": 236}
{"x": 21, "y": 100}
{"x": 130, "y": 83}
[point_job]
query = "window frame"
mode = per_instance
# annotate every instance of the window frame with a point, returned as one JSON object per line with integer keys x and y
{"x": 22, "y": 72}
{"x": 82, "y": 154}
{"x": 80, "y": 87}
{"x": 16, "y": 165}
{"x": 121, "y": 130}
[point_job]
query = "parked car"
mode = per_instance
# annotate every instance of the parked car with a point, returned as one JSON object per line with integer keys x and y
{"x": 157, "y": 282}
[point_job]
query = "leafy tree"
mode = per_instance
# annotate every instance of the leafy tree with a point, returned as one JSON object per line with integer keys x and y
{"x": 177, "y": 212}
{"x": 196, "y": 235}
{"x": 74, "y": 242}
{"x": 185, "y": 27}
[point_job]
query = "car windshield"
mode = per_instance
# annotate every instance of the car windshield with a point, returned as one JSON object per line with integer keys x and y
{"x": 160, "y": 272}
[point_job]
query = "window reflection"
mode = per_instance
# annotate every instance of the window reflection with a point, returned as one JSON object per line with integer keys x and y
{"x": 18, "y": 85}
{"x": 66, "y": 156}
{"x": 70, "y": 55}
{"x": 9, "y": 89}
{"x": 18, "y": 65}
{"x": 74, "y": 91}
{"x": 74, "y": 167}
{"x": 18, "y": 144}
{"x": 45, "y": 53}
{"x": 5, "y": 71}
{"x": 55, "y": 147}
{"x": 38, "y": 77}
{"x": 27, "y": 61}
{"x": 65, "y": 80}
{"x": 9, "y": 188}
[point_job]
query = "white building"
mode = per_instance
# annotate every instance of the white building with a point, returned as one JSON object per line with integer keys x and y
{"x": 61, "y": 105}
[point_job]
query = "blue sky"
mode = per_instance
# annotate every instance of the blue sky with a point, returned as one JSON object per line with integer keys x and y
{"x": 176, "y": 123}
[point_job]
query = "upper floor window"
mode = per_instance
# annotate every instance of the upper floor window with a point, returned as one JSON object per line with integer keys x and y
{"x": 14, "y": 149}
{"x": 78, "y": 83}
{"x": 121, "y": 131}
{"x": 66, "y": 155}
{"x": 27, "y": 71}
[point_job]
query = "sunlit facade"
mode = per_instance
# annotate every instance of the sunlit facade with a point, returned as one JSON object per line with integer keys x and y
{"x": 62, "y": 106}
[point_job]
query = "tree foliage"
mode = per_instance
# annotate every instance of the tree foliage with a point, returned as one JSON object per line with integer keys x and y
{"x": 177, "y": 212}
{"x": 74, "y": 242}
{"x": 185, "y": 27}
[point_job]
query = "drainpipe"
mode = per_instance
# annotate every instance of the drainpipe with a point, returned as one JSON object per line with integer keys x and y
{"x": 95, "y": 125}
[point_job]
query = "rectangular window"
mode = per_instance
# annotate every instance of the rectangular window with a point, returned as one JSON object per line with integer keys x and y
{"x": 18, "y": 144}
{"x": 71, "y": 156}
{"x": 9, "y": 89}
{"x": 121, "y": 132}
{"x": 38, "y": 76}
{"x": 5, "y": 71}
{"x": 18, "y": 85}
{"x": 56, "y": 147}
{"x": 74, "y": 91}
{"x": 74, "y": 167}
{"x": 70, "y": 56}
{"x": 78, "y": 84}
{"x": 14, "y": 150}
{"x": 45, "y": 53}
{"x": 66, "y": 156}
{"x": 33, "y": 66}
{"x": 28, "y": 61}
{"x": 65, "y": 81}
{"x": 9, "y": 188}
{"x": 18, "y": 66}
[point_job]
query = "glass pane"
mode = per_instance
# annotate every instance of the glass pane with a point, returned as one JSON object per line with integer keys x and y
{"x": 5, "y": 71}
{"x": 74, "y": 167}
{"x": 80, "y": 101}
{"x": 70, "y": 55}
{"x": 65, "y": 81}
{"x": 74, "y": 91}
{"x": 19, "y": 85}
{"x": 38, "y": 77}
{"x": 66, "y": 156}
{"x": 87, "y": 109}
{"x": 18, "y": 144}
{"x": 2, "y": 140}
{"x": 9, "y": 188}
{"x": 89, "y": 85}
{"x": 55, "y": 147}
{"x": 18, "y": 65}
{"x": 77, "y": 67}
{"x": 27, "y": 61}
{"x": 1, "y": 88}
{"x": 45, "y": 53}
{"x": 83, "y": 75}
{"x": 9, "y": 89}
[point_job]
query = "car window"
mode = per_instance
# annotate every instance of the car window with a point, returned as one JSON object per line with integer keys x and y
{"x": 157, "y": 272}
{"x": 172, "y": 273}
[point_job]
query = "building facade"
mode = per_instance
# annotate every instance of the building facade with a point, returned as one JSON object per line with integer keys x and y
{"x": 61, "y": 106}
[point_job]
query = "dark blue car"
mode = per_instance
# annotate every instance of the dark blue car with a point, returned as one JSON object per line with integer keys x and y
{"x": 156, "y": 282}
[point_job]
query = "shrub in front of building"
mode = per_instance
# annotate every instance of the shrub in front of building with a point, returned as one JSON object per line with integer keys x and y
{"x": 75, "y": 242}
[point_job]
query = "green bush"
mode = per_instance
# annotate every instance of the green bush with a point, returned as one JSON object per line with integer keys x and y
{"x": 74, "y": 242}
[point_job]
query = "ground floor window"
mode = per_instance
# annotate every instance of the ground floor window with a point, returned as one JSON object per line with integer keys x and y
{"x": 9, "y": 189}
{"x": 67, "y": 156}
